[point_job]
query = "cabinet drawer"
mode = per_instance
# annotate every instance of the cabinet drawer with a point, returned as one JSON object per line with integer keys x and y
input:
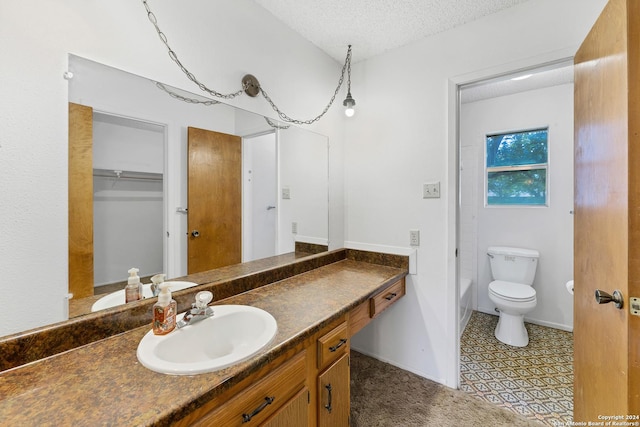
{"x": 387, "y": 297}
{"x": 258, "y": 402}
{"x": 332, "y": 345}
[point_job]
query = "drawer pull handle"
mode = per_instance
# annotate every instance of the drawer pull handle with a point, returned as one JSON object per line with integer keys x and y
{"x": 391, "y": 296}
{"x": 328, "y": 405}
{"x": 337, "y": 346}
{"x": 267, "y": 401}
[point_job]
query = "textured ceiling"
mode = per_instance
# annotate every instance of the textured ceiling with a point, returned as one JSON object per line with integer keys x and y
{"x": 375, "y": 26}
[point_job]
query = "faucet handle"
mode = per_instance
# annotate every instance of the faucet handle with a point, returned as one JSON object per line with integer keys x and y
{"x": 203, "y": 298}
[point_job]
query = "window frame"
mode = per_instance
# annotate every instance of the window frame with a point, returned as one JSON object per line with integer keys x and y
{"x": 513, "y": 168}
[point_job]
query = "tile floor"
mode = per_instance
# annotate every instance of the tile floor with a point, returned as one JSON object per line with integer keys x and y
{"x": 534, "y": 381}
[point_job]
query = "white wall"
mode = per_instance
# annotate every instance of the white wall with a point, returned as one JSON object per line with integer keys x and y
{"x": 546, "y": 229}
{"x": 403, "y": 134}
{"x": 219, "y": 40}
{"x": 303, "y": 158}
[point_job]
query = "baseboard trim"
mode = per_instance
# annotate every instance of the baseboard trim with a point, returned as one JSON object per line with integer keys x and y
{"x": 562, "y": 327}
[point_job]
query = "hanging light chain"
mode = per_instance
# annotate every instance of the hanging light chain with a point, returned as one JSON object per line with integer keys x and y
{"x": 275, "y": 125}
{"x": 174, "y": 57}
{"x": 184, "y": 98}
{"x": 286, "y": 118}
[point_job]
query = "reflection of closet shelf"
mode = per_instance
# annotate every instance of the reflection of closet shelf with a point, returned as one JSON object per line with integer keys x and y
{"x": 128, "y": 175}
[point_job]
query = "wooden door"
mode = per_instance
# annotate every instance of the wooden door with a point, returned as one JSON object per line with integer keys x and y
{"x": 214, "y": 200}
{"x": 333, "y": 394}
{"x": 80, "y": 201}
{"x": 607, "y": 215}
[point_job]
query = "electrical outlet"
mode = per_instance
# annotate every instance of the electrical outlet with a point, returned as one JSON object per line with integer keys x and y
{"x": 414, "y": 237}
{"x": 431, "y": 190}
{"x": 286, "y": 193}
{"x": 294, "y": 227}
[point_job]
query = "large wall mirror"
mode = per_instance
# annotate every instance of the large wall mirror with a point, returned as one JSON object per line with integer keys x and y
{"x": 181, "y": 184}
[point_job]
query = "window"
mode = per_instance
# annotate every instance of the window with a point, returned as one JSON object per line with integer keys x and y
{"x": 516, "y": 165}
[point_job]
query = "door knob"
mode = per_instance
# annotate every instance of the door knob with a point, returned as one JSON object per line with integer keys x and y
{"x": 603, "y": 298}
{"x": 195, "y": 233}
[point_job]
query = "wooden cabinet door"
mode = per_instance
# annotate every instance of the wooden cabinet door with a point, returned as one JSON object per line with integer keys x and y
{"x": 293, "y": 414}
{"x": 333, "y": 394}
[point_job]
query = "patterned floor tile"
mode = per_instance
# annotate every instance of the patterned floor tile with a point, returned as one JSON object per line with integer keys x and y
{"x": 534, "y": 381}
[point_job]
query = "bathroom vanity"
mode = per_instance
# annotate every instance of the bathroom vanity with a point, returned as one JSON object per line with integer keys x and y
{"x": 300, "y": 378}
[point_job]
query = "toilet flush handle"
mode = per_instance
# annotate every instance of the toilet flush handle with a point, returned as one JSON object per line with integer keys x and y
{"x": 603, "y": 298}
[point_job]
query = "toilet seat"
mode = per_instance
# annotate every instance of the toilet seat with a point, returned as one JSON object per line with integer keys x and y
{"x": 511, "y": 291}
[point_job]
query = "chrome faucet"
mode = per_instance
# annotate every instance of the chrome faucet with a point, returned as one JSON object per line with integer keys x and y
{"x": 199, "y": 310}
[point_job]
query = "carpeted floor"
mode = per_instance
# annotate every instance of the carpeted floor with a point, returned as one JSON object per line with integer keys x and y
{"x": 383, "y": 395}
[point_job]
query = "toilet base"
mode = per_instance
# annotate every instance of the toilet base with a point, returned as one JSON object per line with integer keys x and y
{"x": 511, "y": 331}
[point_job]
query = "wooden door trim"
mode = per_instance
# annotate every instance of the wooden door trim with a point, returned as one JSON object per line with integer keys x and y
{"x": 80, "y": 203}
{"x": 633, "y": 67}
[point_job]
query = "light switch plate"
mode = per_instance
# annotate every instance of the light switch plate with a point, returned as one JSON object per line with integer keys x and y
{"x": 286, "y": 193}
{"x": 431, "y": 190}
{"x": 414, "y": 237}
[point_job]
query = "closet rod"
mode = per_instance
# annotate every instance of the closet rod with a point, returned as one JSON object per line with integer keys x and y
{"x": 128, "y": 175}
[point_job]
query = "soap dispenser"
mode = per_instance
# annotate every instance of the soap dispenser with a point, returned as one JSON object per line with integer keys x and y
{"x": 156, "y": 281}
{"x": 164, "y": 312}
{"x": 133, "y": 290}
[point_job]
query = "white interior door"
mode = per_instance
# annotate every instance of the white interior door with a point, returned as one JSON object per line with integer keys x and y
{"x": 260, "y": 196}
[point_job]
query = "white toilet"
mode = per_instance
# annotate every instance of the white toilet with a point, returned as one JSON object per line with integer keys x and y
{"x": 512, "y": 292}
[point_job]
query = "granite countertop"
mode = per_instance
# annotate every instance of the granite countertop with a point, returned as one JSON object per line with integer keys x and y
{"x": 103, "y": 383}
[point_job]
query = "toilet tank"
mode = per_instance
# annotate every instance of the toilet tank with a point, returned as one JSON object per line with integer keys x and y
{"x": 513, "y": 264}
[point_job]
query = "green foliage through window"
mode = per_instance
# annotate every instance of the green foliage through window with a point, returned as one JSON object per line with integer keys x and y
{"x": 517, "y": 168}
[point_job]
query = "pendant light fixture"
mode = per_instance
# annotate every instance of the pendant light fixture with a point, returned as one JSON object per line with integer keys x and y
{"x": 251, "y": 85}
{"x": 349, "y": 102}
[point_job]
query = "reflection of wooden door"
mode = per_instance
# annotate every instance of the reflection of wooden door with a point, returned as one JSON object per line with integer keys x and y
{"x": 80, "y": 200}
{"x": 214, "y": 199}
{"x": 607, "y": 215}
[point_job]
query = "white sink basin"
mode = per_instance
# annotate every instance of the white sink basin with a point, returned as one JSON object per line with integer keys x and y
{"x": 117, "y": 298}
{"x": 233, "y": 334}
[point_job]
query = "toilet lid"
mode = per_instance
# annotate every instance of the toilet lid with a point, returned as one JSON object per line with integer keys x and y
{"x": 512, "y": 291}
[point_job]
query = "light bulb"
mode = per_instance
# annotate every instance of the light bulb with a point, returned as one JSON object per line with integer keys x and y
{"x": 350, "y": 103}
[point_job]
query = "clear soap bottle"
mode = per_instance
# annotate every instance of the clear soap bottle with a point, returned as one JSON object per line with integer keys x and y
{"x": 133, "y": 290}
{"x": 164, "y": 312}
